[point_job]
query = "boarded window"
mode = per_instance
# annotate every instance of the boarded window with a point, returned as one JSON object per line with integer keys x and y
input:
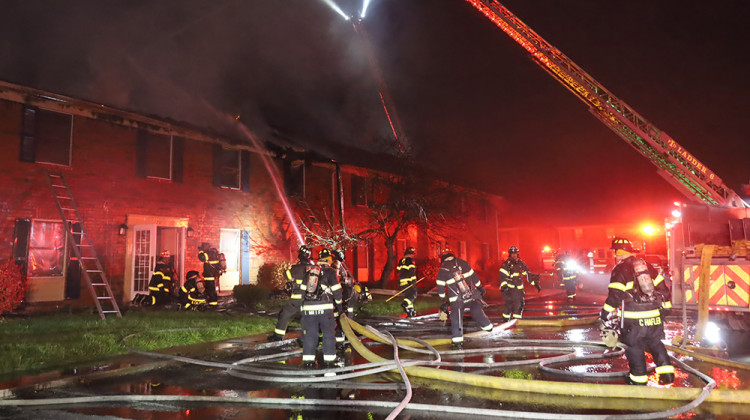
{"x": 46, "y": 249}
{"x": 47, "y": 137}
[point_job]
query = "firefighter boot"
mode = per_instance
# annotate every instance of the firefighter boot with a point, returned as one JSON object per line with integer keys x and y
{"x": 457, "y": 346}
{"x": 308, "y": 365}
{"x": 406, "y": 307}
{"x": 275, "y": 337}
{"x": 330, "y": 365}
{"x": 411, "y": 312}
{"x": 666, "y": 378}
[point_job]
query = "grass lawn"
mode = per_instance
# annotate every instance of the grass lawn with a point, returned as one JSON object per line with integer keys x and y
{"x": 44, "y": 342}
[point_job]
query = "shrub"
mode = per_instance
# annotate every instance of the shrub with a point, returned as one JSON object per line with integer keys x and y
{"x": 12, "y": 286}
{"x": 271, "y": 275}
{"x": 251, "y": 294}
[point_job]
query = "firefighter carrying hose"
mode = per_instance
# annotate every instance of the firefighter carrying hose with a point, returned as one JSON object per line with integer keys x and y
{"x": 192, "y": 292}
{"x": 512, "y": 273}
{"x": 160, "y": 286}
{"x": 295, "y": 275}
{"x": 459, "y": 287}
{"x": 639, "y": 295}
{"x": 407, "y": 280}
{"x": 321, "y": 297}
{"x": 214, "y": 265}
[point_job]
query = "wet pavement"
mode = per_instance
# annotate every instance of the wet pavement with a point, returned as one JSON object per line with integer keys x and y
{"x": 231, "y": 392}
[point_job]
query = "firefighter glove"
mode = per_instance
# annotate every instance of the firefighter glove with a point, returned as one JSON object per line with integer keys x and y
{"x": 482, "y": 290}
{"x": 610, "y": 337}
{"x": 445, "y": 307}
{"x": 538, "y": 287}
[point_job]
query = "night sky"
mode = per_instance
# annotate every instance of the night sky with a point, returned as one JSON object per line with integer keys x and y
{"x": 474, "y": 106}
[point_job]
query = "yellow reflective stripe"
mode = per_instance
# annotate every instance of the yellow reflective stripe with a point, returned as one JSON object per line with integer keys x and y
{"x": 487, "y": 327}
{"x": 299, "y": 281}
{"x": 609, "y": 308}
{"x": 155, "y": 289}
{"x": 469, "y": 273}
{"x": 503, "y": 283}
{"x": 330, "y": 357}
{"x": 458, "y": 339}
{"x": 335, "y": 287}
{"x": 642, "y": 314}
{"x": 452, "y": 298}
{"x": 442, "y": 295}
{"x": 183, "y": 289}
{"x": 515, "y": 275}
{"x": 666, "y": 305}
{"x": 620, "y": 286}
{"x": 405, "y": 267}
{"x": 639, "y": 379}
{"x": 451, "y": 281}
{"x": 664, "y": 369}
{"x": 214, "y": 262}
{"x": 208, "y": 278}
{"x": 440, "y": 282}
{"x": 318, "y": 307}
{"x": 504, "y": 271}
{"x": 308, "y": 357}
{"x": 279, "y": 332}
{"x": 288, "y": 274}
{"x": 303, "y": 287}
{"x": 296, "y": 296}
{"x": 658, "y": 280}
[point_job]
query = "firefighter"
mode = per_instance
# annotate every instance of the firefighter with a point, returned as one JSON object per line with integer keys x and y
{"x": 567, "y": 275}
{"x": 459, "y": 287}
{"x": 214, "y": 265}
{"x": 639, "y": 295}
{"x": 321, "y": 297}
{"x": 407, "y": 280}
{"x": 160, "y": 286}
{"x": 512, "y": 273}
{"x": 295, "y": 275}
{"x": 346, "y": 281}
{"x": 192, "y": 292}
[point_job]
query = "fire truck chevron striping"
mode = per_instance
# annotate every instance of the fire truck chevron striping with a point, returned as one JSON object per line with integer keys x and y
{"x": 721, "y": 294}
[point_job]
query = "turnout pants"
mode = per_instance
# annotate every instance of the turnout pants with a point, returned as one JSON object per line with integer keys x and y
{"x": 290, "y": 310}
{"x": 315, "y": 323}
{"x": 570, "y": 288}
{"x": 641, "y": 339}
{"x": 457, "y": 318}
{"x": 410, "y": 295}
{"x": 213, "y": 297}
{"x": 514, "y": 303}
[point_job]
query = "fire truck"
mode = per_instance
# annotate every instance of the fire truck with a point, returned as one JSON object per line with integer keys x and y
{"x": 707, "y": 242}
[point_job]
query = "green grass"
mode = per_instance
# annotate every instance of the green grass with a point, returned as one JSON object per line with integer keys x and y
{"x": 379, "y": 306}
{"x": 54, "y": 341}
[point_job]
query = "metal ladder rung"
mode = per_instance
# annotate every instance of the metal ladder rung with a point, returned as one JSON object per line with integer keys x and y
{"x": 64, "y": 197}
{"x": 103, "y": 297}
{"x": 98, "y": 284}
{"x": 109, "y": 312}
{"x": 93, "y": 271}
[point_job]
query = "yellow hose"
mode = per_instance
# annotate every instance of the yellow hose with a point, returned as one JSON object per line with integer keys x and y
{"x": 707, "y": 358}
{"x": 539, "y": 386}
{"x": 556, "y": 322}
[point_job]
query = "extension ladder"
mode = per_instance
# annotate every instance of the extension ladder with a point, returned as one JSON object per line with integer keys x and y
{"x": 91, "y": 267}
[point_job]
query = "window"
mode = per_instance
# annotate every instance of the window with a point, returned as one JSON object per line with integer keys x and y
{"x": 231, "y": 168}
{"x": 46, "y": 249}
{"x": 294, "y": 179}
{"x": 159, "y": 156}
{"x": 359, "y": 192}
{"x": 46, "y": 137}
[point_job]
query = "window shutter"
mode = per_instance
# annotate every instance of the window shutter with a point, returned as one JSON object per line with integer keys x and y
{"x": 178, "y": 158}
{"x": 141, "y": 153}
{"x": 28, "y": 135}
{"x": 217, "y": 165}
{"x": 245, "y": 170}
{"x": 21, "y": 240}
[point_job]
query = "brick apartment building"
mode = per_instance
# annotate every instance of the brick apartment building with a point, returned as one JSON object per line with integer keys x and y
{"x": 145, "y": 184}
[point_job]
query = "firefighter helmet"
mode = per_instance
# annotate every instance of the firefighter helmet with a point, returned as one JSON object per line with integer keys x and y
{"x": 324, "y": 256}
{"x": 339, "y": 254}
{"x": 513, "y": 250}
{"x": 410, "y": 251}
{"x": 446, "y": 254}
{"x": 192, "y": 275}
{"x": 304, "y": 253}
{"x": 622, "y": 243}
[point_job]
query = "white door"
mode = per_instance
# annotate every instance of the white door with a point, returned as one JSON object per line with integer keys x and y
{"x": 144, "y": 254}
{"x": 229, "y": 245}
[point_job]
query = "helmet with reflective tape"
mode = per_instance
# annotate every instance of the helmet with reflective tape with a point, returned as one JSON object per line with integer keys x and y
{"x": 447, "y": 253}
{"x": 192, "y": 275}
{"x": 324, "y": 256}
{"x": 621, "y": 243}
{"x": 410, "y": 251}
{"x": 513, "y": 250}
{"x": 304, "y": 253}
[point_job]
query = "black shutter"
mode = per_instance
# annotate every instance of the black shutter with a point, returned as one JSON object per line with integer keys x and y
{"x": 73, "y": 274}
{"x": 217, "y": 165}
{"x": 245, "y": 170}
{"x": 178, "y": 158}
{"x": 21, "y": 234}
{"x": 141, "y": 153}
{"x": 28, "y": 135}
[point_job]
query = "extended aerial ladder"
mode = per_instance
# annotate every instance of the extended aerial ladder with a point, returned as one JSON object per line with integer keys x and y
{"x": 680, "y": 168}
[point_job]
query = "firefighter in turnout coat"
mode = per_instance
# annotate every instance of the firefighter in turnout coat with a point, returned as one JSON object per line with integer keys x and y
{"x": 295, "y": 275}
{"x": 160, "y": 286}
{"x": 321, "y": 296}
{"x": 191, "y": 293}
{"x": 512, "y": 273}
{"x": 213, "y": 267}
{"x": 407, "y": 279}
{"x": 567, "y": 275}
{"x": 461, "y": 288}
{"x": 639, "y": 296}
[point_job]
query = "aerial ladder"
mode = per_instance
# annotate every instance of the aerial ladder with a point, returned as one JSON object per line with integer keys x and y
{"x": 678, "y": 166}
{"x": 709, "y": 243}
